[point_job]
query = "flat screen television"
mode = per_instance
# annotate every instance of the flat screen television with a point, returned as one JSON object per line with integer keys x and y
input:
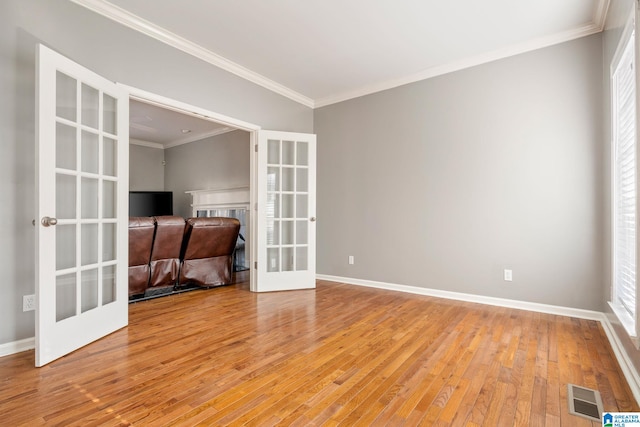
{"x": 150, "y": 203}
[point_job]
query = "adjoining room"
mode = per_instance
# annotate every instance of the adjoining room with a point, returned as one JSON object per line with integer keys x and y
{"x": 185, "y": 166}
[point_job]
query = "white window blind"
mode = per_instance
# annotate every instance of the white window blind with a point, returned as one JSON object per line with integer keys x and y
{"x": 624, "y": 186}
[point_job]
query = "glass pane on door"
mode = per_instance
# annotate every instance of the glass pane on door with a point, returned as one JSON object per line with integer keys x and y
{"x": 66, "y": 296}
{"x": 89, "y": 244}
{"x": 90, "y": 200}
{"x": 302, "y": 153}
{"x": 65, "y": 246}
{"x": 110, "y": 114}
{"x": 108, "y": 284}
{"x": 66, "y": 96}
{"x": 89, "y": 290}
{"x": 110, "y": 154}
{"x": 287, "y": 179}
{"x": 273, "y": 259}
{"x": 301, "y": 258}
{"x": 287, "y": 232}
{"x": 65, "y": 147}
{"x": 273, "y": 156}
{"x": 65, "y": 196}
{"x": 109, "y": 195}
{"x": 288, "y": 152}
{"x": 90, "y": 107}
{"x": 89, "y": 152}
{"x": 287, "y": 207}
{"x": 287, "y": 259}
{"x": 109, "y": 242}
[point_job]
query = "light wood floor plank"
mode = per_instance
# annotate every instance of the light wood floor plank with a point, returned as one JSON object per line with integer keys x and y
{"x": 336, "y": 355}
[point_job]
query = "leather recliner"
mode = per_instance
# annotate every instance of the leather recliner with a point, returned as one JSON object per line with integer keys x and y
{"x": 207, "y": 251}
{"x": 141, "y": 234}
{"x": 165, "y": 255}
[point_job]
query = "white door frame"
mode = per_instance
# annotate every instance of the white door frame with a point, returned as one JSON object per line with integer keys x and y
{"x": 184, "y": 108}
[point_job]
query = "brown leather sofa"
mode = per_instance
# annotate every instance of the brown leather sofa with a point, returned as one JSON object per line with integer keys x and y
{"x": 141, "y": 232}
{"x": 168, "y": 254}
{"x": 165, "y": 253}
{"x": 207, "y": 257}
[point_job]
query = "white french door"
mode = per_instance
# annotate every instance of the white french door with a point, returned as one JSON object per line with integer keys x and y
{"x": 81, "y": 226}
{"x": 286, "y": 227}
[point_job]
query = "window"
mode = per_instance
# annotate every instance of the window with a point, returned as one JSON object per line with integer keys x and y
{"x": 624, "y": 188}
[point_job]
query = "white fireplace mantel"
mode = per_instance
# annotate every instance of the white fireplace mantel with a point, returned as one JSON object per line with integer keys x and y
{"x": 219, "y": 198}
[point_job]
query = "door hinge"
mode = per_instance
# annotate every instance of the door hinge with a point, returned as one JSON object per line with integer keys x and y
{"x": 255, "y": 265}
{"x": 256, "y": 147}
{"x": 256, "y": 206}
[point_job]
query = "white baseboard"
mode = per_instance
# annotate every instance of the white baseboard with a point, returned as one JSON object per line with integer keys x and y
{"x": 628, "y": 369}
{"x": 17, "y": 346}
{"x": 500, "y": 302}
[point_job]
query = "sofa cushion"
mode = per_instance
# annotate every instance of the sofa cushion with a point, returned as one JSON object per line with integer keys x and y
{"x": 207, "y": 251}
{"x": 141, "y": 232}
{"x": 165, "y": 255}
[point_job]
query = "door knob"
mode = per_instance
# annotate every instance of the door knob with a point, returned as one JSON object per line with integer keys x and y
{"x": 48, "y": 221}
{"x": 312, "y": 219}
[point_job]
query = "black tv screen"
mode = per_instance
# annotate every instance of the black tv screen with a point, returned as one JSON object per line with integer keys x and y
{"x": 150, "y": 203}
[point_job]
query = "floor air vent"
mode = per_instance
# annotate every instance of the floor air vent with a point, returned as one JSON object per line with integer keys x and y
{"x": 585, "y": 402}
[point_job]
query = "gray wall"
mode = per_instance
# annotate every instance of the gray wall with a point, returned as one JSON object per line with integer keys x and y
{"x": 446, "y": 182}
{"x": 121, "y": 55}
{"x": 146, "y": 168}
{"x": 218, "y": 162}
{"x": 616, "y": 19}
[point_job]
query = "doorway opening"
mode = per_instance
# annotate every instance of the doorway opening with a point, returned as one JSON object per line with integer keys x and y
{"x": 194, "y": 154}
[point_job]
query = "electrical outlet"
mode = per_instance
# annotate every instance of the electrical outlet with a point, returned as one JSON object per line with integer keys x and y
{"x": 351, "y": 260}
{"x": 508, "y": 275}
{"x": 28, "y": 302}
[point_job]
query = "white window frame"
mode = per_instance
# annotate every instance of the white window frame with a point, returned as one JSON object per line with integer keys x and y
{"x": 628, "y": 320}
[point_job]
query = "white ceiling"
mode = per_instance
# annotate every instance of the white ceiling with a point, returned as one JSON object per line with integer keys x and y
{"x": 158, "y": 127}
{"x": 318, "y": 52}
{"x": 323, "y": 51}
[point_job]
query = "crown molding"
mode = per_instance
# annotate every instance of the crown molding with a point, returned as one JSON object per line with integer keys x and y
{"x": 198, "y": 137}
{"x": 137, "y": 23}
{"x": 182, "y": 141}
{"x": 148, "y": 144}
{"x": 600, "y": 14}
{"x": 462, "y": 64}
{"x": 117, "y": 14}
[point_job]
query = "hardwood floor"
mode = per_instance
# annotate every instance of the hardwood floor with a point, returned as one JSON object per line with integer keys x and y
{"x": 337, "y": 355}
